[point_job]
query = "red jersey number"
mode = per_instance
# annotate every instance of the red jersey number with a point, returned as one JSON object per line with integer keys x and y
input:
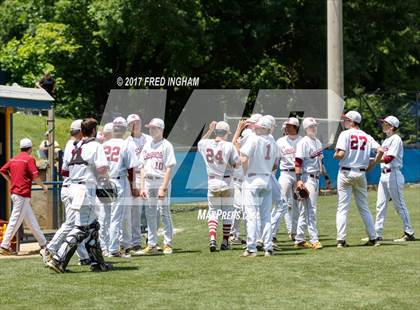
{"x": 112, "y": 153}
{"x": 267, "y": 152}
{"x": 211, "y": 157}
{"x": 355, "y": 145}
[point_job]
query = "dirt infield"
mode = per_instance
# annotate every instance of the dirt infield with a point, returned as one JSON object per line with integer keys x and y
{"x": 26, "y": 250}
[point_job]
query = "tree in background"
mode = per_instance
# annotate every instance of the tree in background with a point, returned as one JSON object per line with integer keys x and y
{"x": 251, "y": 44}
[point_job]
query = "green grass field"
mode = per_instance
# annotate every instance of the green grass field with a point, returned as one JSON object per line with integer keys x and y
{"x": 34, "y": 127}
{"x": 385, "y": 277}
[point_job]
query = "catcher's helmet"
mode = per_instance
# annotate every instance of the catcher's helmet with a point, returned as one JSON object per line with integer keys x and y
{"x": 106, "y": 191}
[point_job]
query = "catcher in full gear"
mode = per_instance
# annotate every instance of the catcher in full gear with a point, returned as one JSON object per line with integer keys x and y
{"x": 82, "y": 167}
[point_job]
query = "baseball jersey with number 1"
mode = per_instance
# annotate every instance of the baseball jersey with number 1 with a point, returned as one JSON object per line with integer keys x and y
{"x": 156, "y": 157}
{"x": 262, "y": 152}
{"x": 357, "y": 146}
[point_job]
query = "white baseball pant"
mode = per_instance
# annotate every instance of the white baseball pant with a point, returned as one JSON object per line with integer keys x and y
{"x": 348, "y": 182}
{"x": 61, "y": 234}
{"x": 155, "y": 209}
{"x": 136, "y": 211}
{"x": 238, "y": 208}
{"x": 287, "y": 181}
{"x": 22, "y": 212}
{"x": 118, "y": 210}
{"x": 391, "y": 185}
{"x": 258, "y": 202}
{"x": 307, "y": 207}
{"x": 104, "y": 220}
{"x": 220, "y": 205}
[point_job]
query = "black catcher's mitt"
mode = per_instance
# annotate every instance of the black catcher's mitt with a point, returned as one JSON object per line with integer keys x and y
{"x": 301, "y": 193}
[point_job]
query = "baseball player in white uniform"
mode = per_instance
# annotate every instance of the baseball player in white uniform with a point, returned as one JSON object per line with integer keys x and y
{"x": 121, "y": 157}
{"x": 107, "y": 131}
{"x": 238, "y": 140}
{"x": 287, "y": 148}
{"x": 308, "y": 167}
{"x": 157, "y": 161}
{"x": 391, "y": 183}
{"x": 139, "y": 139}
{"x": 221, "y": 157}
{"x": 258, "y": 156}
{"x": 66, "y": 197}
{"x": 353, "y": 150}
{"x": 86, "y": 162}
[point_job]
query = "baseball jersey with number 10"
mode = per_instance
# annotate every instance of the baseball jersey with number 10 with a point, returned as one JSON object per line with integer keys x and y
{"x": 357, "y": 146}
{"x": 156, "y": 157}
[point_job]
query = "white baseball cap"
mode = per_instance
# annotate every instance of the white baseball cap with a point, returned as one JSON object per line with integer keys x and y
{"x": 264, "y": 122}
{"x": 108, "y": 127}
{"x": 25, "y": 143}
{"x": 100, "y": 135}
{"x": 223, "y": 126}
{"x": 119, "y": 121}
{"x": 292, "y": 121}
{"x": 254, "y": 118}
{"x": 392, "y": 120}
{"x": 308, "y": 122}
{"x": 354, "y": 116}
{"x": 272, "y": 120}
{"x": 246, "y": 132}
{"x": 132, "y": 118}
{"x": 76, "y": 125}
{"x": 156, "y": 122}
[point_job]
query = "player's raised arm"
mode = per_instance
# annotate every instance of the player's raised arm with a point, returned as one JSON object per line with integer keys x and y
{"x": 241, "y": 126}
{"x": 212, "y": 126}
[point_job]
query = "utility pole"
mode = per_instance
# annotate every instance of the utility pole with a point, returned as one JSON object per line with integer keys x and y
{"x": 335, "y": 63}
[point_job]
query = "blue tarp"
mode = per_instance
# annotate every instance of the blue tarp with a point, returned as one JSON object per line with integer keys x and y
{"x": 190, "y": 181}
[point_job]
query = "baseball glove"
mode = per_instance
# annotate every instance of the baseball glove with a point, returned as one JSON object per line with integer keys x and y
{"x": 301, "y": 193}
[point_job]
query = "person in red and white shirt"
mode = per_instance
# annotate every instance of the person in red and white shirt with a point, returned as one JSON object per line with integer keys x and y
{"x": 19, "y": 172}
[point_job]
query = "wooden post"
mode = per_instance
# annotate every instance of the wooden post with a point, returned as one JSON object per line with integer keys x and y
{"x": 50, "y": 169}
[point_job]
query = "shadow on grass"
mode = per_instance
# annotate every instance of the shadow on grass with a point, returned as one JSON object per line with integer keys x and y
{"x": 117, "y": 268}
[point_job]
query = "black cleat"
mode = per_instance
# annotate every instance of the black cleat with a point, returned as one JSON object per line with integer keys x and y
{"x": 56, "y": 266}
{"x": 260, "y": 246}
{"x": 342, "y": 244}
{"x": 84, "y": 262}
{"x": 225, "y": 246}
{"x": 213, "y": 245}
{"x": 101, "y": 267}
{"x": 406, "y": 237}
{"x": 373, "y": 242}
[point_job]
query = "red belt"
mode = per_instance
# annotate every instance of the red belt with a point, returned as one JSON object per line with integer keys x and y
{"x": 386, "y": 170}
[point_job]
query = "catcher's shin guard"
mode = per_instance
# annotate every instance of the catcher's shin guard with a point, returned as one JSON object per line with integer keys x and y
{"x": 74, "y": 238}
{"x": 93, "y": 246}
